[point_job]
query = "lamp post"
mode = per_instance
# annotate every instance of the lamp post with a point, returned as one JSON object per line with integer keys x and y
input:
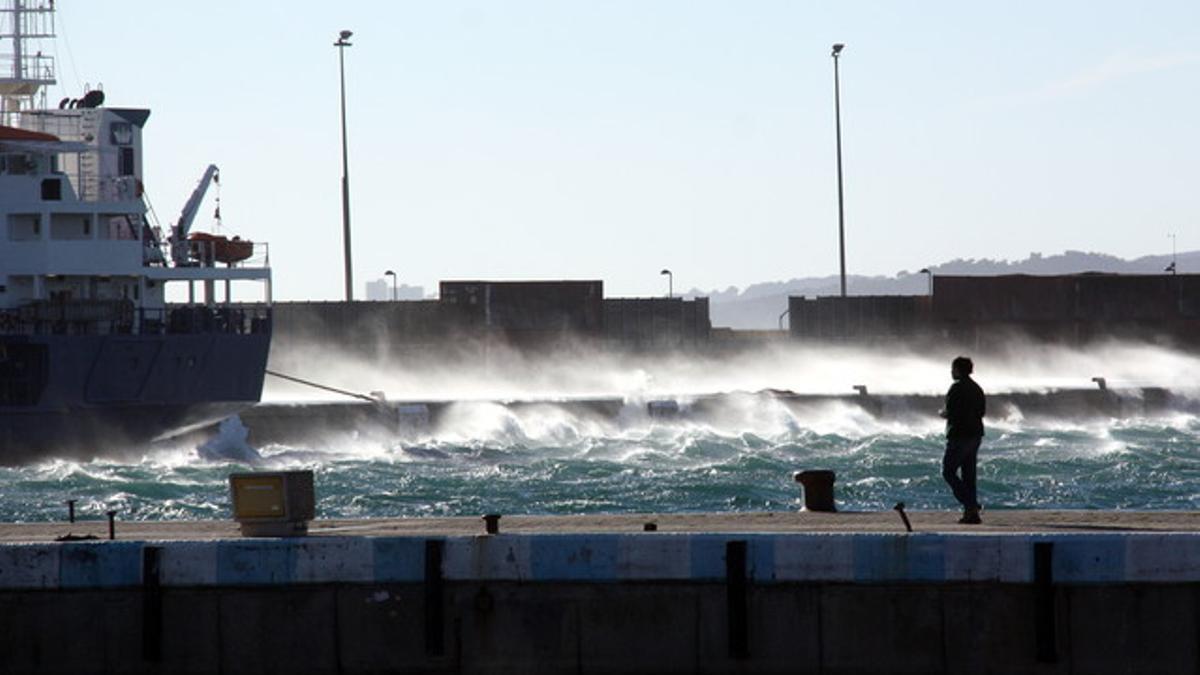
{"x": 341, "y": 44}
{"x": 925, "y": 271}
{"x": 392, "y": 274}
{"x": 670, "y": 283}
{"x": 837, "y": 113}
{"x": 1172, "y": 268}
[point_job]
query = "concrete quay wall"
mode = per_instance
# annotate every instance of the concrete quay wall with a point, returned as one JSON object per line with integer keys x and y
{"x": 299, "y": 422}
{"x": 581, "y": 603}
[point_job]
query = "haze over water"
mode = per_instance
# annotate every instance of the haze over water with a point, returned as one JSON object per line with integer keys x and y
{"x": 546, "y": 459}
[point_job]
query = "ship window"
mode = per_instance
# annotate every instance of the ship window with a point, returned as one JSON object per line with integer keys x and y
{"x": 69, "y": 226}
{"x": 51, "y": 189}
{"x": 119, "y": 227}
{"x": 125, "y": 162}
{"x": 24, "y": 226}
{"x": 17, "y": 164}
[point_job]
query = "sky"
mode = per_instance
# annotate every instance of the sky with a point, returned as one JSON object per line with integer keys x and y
{"x": 545, "y": 139}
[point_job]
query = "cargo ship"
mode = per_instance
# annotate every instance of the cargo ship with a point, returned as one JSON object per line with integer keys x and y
{"x": 115, "y": 331}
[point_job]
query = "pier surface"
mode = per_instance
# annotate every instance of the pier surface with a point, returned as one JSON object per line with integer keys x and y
{"x": 945, "y": 522}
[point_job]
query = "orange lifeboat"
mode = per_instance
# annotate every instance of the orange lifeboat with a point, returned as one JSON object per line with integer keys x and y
{"x": 217, "y": 247}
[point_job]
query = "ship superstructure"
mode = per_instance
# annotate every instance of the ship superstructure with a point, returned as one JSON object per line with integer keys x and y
{"x": 92, "y": 354}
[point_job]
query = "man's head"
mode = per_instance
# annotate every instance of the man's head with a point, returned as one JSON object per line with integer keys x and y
{"x": 961, "y": 367}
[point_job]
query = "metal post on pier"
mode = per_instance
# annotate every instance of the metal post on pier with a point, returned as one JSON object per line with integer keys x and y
{"x": 341, "y": 44}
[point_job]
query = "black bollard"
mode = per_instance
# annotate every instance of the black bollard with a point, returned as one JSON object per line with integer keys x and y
{"x": 650, "y": 527}
{"x": 71, "y": 510}
{"x": 491, "y": 523}
{"x": 818, "y": 489}
{"x": 112, "y": 524}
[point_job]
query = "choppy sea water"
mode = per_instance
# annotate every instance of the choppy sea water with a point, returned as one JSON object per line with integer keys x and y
{"x": 544, "y": 460}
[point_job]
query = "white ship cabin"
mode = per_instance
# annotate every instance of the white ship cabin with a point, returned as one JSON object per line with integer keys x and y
{"x": 78, "y": 252}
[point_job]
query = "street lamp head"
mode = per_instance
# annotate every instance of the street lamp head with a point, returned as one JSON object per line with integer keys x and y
{"x": 924, "y": 270}
{"x": 665, "y": 272}
{"x": 837, "y": 49}
{"x": 342, "y": 39}
{"x": 389, "y": 273}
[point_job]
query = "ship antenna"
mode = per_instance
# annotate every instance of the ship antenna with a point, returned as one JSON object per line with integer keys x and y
{"x": 24, "y": 88}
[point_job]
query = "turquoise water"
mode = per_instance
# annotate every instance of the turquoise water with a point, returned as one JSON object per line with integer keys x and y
{"x": 544, "y": 461}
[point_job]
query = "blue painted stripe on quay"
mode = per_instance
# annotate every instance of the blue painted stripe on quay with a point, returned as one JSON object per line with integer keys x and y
{"x": 708, "y": 556}
{"x": 874, "y": 558}
{"x": 399, "y": 558}
{"x": 899, "y": 557}
{"x": 573, "y": 557}
{"x": 1088, "y": 558}
{"x": 101, "y": 564}
{"x": 760, "y": 557}
{"x": 265, "y": 561}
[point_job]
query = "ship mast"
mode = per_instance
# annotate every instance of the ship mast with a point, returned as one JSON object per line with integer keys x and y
{"x": 25, "y": 70}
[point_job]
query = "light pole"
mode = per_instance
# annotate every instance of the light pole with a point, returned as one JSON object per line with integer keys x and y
{"x": 1171, "y": 268}
{"x": 341, "y": 44}
{"x": 837, "y": 113}
{"x": 670, "y": 283}
{"x": 925, "y": 270}
{"x": 392, "y": 274}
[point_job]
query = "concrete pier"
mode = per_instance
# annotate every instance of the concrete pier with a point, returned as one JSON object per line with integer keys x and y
{"x": 758, "y": 592}
{"x": 296, "y": 422}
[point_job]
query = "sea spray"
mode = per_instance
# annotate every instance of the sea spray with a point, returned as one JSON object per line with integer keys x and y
{"x": 549, "y": 460}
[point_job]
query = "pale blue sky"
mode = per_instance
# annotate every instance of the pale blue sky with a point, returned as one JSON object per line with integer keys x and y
{"x": 546, "y": 140}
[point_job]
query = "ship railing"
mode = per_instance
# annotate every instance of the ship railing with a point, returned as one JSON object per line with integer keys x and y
{"x": 36, "y": 68}
{"x": 119, "y": 317}
{"x": 225, "y": 319}
{"x": 69, "y": 317}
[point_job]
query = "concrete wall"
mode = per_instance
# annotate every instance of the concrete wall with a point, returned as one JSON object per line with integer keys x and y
{"x": 475, "y": 315}
{"x": 835, "y": 603}
{"x": 506, "y": 627}
{"x": 987, "y": 311}
{"x": 859, "y": 317}
{"x": 1073, "y": 309}
{"x": 656, "y": 323}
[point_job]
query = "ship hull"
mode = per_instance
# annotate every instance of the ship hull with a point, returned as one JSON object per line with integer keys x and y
{"x": 84, "y": 396}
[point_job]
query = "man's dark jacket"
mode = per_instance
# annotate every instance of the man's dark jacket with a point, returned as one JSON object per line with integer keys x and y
{"x": 965, "y": 407}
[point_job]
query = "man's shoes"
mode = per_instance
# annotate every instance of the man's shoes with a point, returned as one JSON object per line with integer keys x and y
{"x": 970, "y": 517}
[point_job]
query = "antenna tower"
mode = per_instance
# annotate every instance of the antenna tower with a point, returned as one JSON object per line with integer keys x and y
{"x": 25, "y": 69}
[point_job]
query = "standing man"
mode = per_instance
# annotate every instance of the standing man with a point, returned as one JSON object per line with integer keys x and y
{"x": 964, "y": 411}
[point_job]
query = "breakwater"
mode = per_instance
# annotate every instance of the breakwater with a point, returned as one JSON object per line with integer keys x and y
{"x": 288, "y": 423}
{"x": 577, "y": 601}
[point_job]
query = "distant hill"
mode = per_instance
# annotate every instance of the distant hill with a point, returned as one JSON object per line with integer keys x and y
{"x": 759, "y": 306}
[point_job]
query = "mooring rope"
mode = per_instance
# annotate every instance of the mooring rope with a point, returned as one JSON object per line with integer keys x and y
{"x": 322, "y": 386}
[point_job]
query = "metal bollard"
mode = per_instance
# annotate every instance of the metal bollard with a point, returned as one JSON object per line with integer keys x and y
{"x": 71, "y": 510}
{"x": 818, "y": 489}
{"x": 491, "y": 523}
{"x": 112, "y": 524}
{"x": 650, "y": 527}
